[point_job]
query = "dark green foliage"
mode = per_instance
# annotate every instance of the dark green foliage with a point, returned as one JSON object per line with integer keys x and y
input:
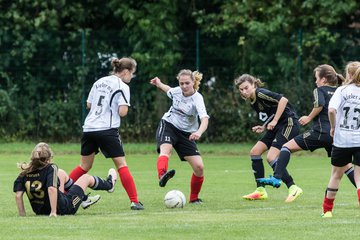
{"x": 53, "y": 51}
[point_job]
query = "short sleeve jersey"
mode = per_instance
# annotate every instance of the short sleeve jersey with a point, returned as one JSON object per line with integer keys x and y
{"x": 185, "y": 112}
{"x": 322, "y": 96}
{"x": 106, "y": 95}
{"x": 266, "y": 103}
{"x": 346, "y": 102}
{"x": 36, "y": 184}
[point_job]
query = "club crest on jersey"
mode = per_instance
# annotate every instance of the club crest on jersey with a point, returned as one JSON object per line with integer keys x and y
{"x": 263, "y": 116}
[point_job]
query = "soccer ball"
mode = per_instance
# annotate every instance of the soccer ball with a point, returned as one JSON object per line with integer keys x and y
{"x": 174, "y": 199}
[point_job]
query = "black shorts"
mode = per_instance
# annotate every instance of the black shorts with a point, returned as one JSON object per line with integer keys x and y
{"x": 312, "y": 140}
{"x": 68, "y": 203}
{"x": 281, "y": 134}
{"x": 168, "y": 133}
{"x": 108, "y": 141}
{"x": 343, "y": 156}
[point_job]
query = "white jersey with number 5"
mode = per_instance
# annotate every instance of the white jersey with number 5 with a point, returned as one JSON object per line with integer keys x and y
{"x": 346, "y": 101}
{"x": 106, "y": 95}
{"x": 185, "y": 111}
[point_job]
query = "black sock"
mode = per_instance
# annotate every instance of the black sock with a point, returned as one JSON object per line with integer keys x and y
{"x": 101, "y": 184}
{"x": 350, "y": 174}
{"x": 258, "y": 168}
{"x": 286, "y": 178}
{"x": 68, "y": 184}
{"x": 282, "y": 162}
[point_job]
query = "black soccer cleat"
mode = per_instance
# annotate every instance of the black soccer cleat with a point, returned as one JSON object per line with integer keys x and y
{"x": 165, "y": 177}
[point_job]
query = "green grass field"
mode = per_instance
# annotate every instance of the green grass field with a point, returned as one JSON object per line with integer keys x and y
{"x": 224, "y": 214}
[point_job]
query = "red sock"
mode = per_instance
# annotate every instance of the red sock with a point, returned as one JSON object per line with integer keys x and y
{"x": 195, "y": 186}
{"x": 77, "y": 173}
{"x": 328, "y": 204}
{"x": 162, "y": 165}
{"x": 128, "y": 183}
{"x": 358, "y": 193}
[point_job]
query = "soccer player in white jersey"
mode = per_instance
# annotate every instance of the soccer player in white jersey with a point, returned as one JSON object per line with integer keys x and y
{"x": 344, "y": 116}
{"x": 179, "y": 129}
{"x": 108, "y": 101}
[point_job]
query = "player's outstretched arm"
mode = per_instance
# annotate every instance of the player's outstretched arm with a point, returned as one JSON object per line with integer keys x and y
{"x": 20, "y": 203}
{"x": 306, "y": 119}
{"x": 157, "y": 82}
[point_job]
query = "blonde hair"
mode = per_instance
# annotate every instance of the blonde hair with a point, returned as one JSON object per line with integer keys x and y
{"x": 40, "y": 157}
{"x": 248, "y": 78}
{"x": 121, "y": 64}
{"x": 350, "y": 70}
{"x": 356, "y": 77}
{"x": 196, "y": 76}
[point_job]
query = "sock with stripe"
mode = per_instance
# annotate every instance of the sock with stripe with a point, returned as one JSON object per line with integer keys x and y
{"x": 101, "y": 184}
{"x": 282, "y": 162}
{"x": 350, "y": 174}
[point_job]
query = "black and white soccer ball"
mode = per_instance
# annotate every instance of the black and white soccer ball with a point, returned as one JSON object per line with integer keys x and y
{"x": 174, "y": 199}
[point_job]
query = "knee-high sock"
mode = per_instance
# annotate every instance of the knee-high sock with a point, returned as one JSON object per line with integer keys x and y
{"x": 257, "y": 167}
{"x": 77, "y": 173}
{"x": 282, "y": 162}
{"x": 101, "y": 184}
{"x": 358, "y": 193}
{"x": 128, "y": 183}
{"x": 286, "y": 178}
{"x": 350, "y": 174}
{"x": 195, "y": 187}
{"x": 162, "y": 165}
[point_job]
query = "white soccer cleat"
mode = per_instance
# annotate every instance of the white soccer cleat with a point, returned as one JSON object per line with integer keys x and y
{"x": 90, "y": 201}
{"x": 112, "y": 176}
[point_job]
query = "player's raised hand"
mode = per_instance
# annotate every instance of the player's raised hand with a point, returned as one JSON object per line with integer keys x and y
{"x": 155, "y": 81}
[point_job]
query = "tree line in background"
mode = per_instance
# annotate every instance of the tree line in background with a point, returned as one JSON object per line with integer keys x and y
{"x": 52, "y": 51}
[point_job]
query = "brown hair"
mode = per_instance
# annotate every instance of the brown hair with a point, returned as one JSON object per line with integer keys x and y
{"x": 121, "y": 64}
{"x": 248, "y": 78}
{"x": 328, "y": 72}
{"x": 350, "y": 70}
{"x": 196, "y": 76}
{"x": 40, "y": 157}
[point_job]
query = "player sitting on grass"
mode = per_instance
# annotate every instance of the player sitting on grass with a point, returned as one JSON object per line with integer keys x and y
{"x": 45, "y": 186}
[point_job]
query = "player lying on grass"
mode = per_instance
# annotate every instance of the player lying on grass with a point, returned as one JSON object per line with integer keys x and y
{"x": 45, "y": 186}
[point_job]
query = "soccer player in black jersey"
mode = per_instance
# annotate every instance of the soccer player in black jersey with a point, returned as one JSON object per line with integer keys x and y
{"x": 44, "y": 185}
{"x": 318, "y": 136}
{"x": 281, "y": 123}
